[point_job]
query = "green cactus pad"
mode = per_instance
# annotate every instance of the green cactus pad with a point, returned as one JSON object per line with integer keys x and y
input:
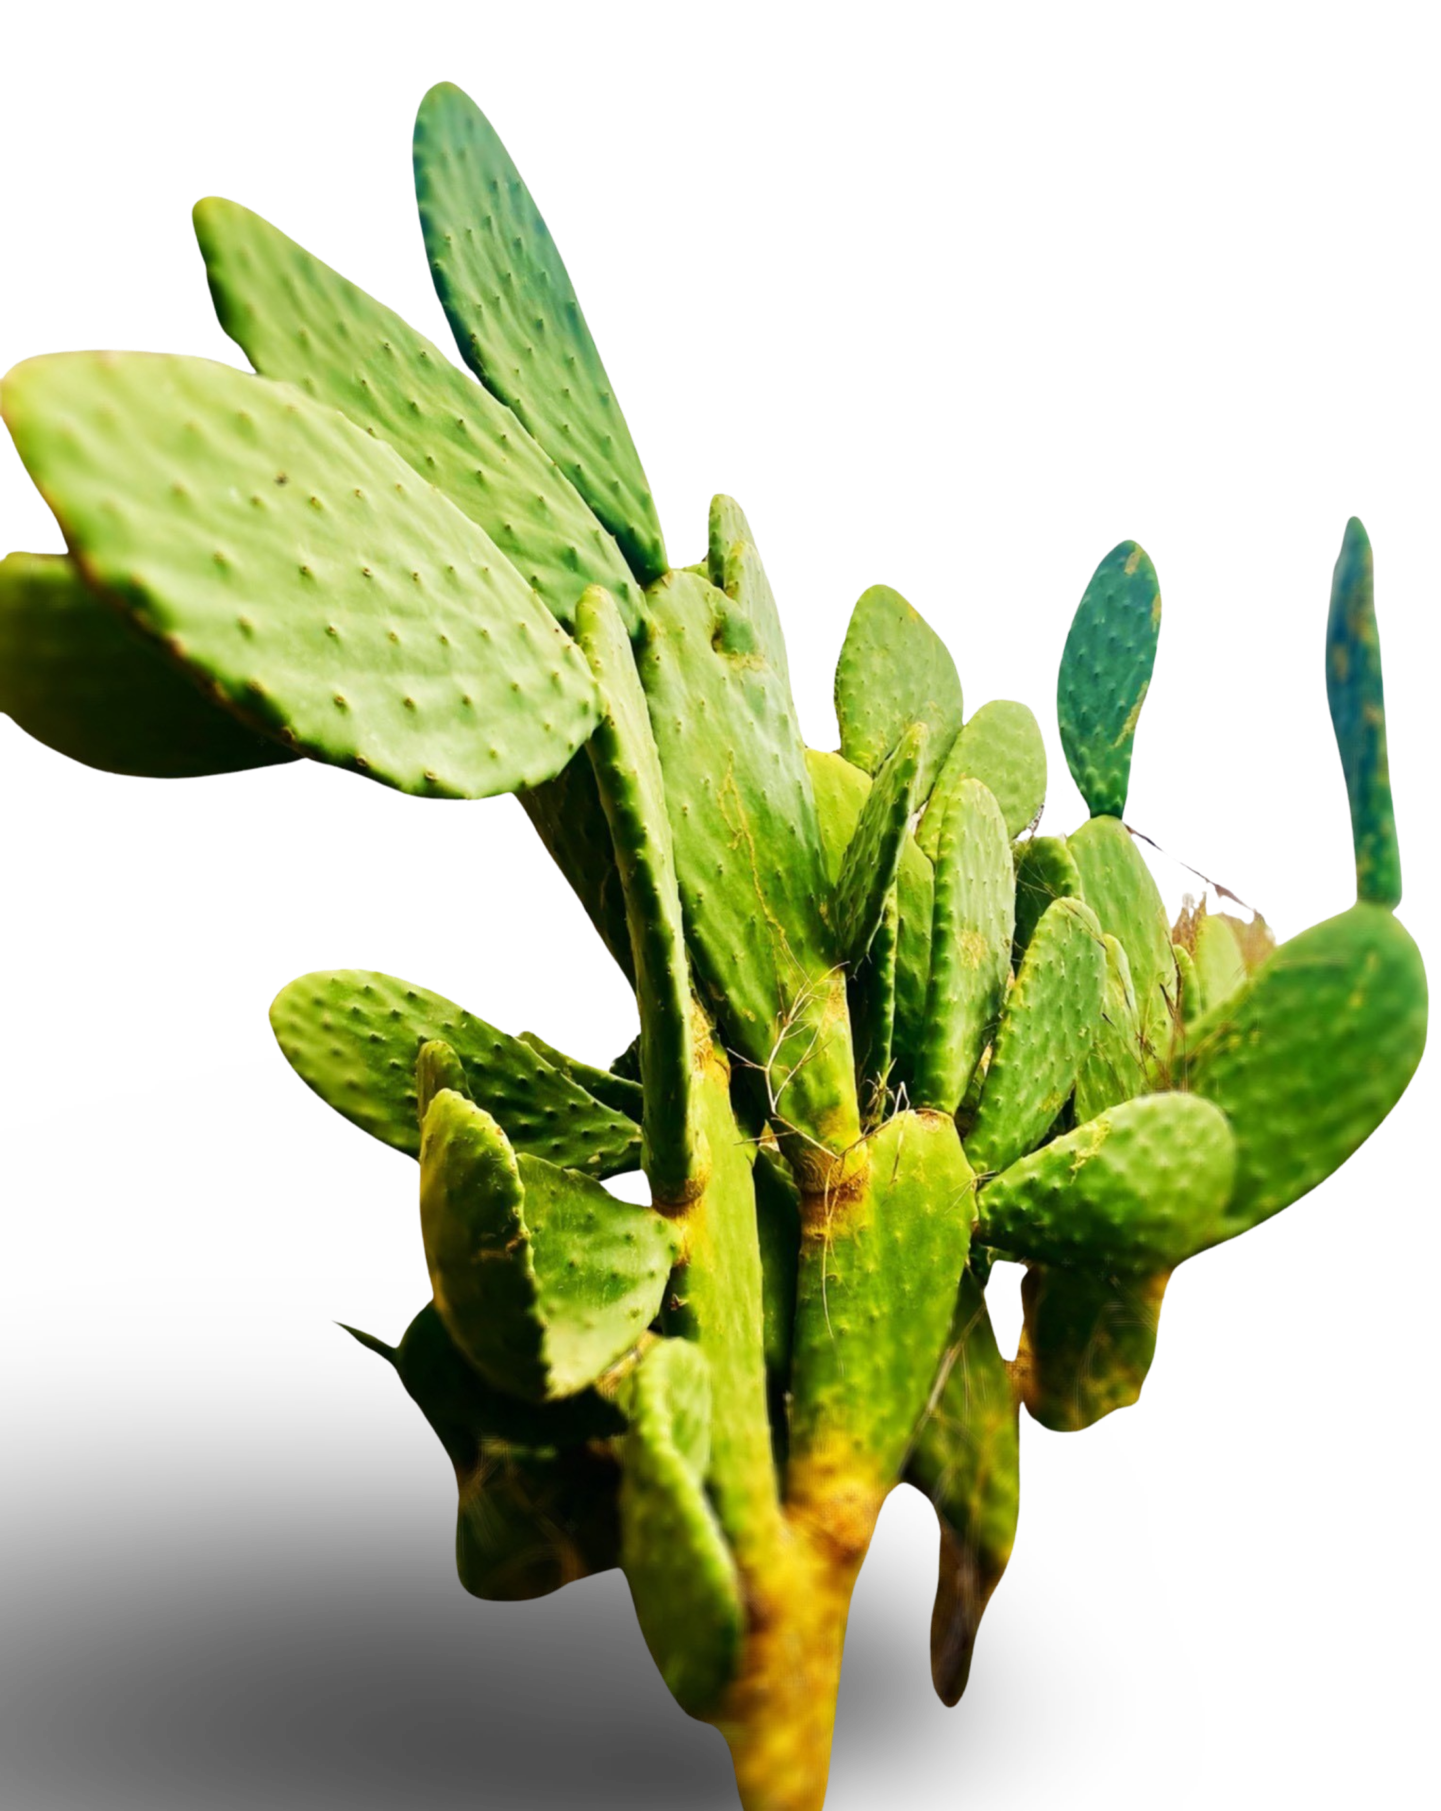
{"x": 437, "y": 1068}
{"x": 466, "y": 1413}
{"x": 733, "y": 565}
{"x": 1114, "y": 1068}
{"x": 1183, "y": 991}
{"x": 618, "y": 1092}
{"x": 871, "y": 997}
{"x": 537, "y": 1493}
{"x": 297, "y": 319}
{"x": 873, "y": 855}
{"x": 1105, "y": 673}
{"x": 632, "y": 793}
{"x": 750, "y": 861}
{"x": 684, "y": 1581}
{"x": 567, "y": 815}
{"x": 1141, "y": 1188}
{"x": 1044, "y": 1037}
{"x": 542, "y": 1278}
{"x": 1312, "y": 1055}
{"x": 1087, "y": 1344}
{"x": 78, "y": 678}
{"x": 971, "y": 934}
{"x": 1001, "y": 746}
{"x": 967, "y": 1460}
{"x": 1045, "y": 872}
{"x": 303, "y": 571}
{"x": 877, "y": 1287}
{"x": 778, "y": 1222}
{"x": 1219, "y": 962}
{"x": 531, "y": 1522}
{"x": 354, "y": 1036}
{"x": 1358, "y": 716}
{"x": 840, "y": 793}
{"x": 894, "y": 671}
{"x": 516, "y": 319}
{"x": 1120, "y": 890}
{"x": 717, "y": 1300}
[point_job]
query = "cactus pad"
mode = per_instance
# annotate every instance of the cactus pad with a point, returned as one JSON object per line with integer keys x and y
{"x": 78, "y": 678}
{"x": 1087, "y": 1343}
{"x": 1141, "y": 1188}
{"x": 1001, "y": 746}
{"x": 971, "y": 932}
{"x": 516, "y": 319}
{"x": 303, "y": 571}
{"x": 298, "y": 320}
{"x": 632, "y": 792}
{"x": 543, "y": 1279}
{"x": 894, "y": 670}
{"x": 354, "y": 1037}
{"x": 1105, "y": 674}
{"x": 967, "y": 1461}
{"x": 1358, "y": 715}
{"x": 1044, "y": 1036}
{"x": 1312, "y": 1055}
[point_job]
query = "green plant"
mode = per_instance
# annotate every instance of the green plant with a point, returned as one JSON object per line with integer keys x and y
{"x": 885, "y": 1031}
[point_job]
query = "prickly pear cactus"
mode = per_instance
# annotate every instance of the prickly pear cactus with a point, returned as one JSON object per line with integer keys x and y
{"x": 886, "y": 1033}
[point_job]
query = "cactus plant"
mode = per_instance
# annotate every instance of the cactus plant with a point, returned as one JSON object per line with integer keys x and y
{"x": 886, "y": 1033}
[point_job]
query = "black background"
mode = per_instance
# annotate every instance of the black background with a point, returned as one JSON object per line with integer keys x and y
{"x": 922, "y": 344}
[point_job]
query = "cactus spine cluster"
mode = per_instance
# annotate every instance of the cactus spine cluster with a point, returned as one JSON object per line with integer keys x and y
{"x": 886, "y": 1032}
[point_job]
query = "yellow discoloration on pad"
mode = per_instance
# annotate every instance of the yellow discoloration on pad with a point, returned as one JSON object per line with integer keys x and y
{"x": 1133, "y": 717}
{"x": 1097, "y": 1133}
{"x": 974, "y": 948}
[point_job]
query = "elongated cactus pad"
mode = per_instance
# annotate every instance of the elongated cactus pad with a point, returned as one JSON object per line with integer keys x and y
{"x": 77, "y": 677}
{"x": 685, "y": 1584}
{"x": 327, "y": 593}
{"x": 1114, "y": 1068}
{"x": 967, "y": 1460}
{"x": 297, "y": 319}
{"x": 543, "y": 1279}
{"x": 751, "y": 864}
{"x": 1140, "y": 1188}
{"x": 840, "y": 792}
{"x": 1312, "y": 1055}
{"x": 971, "y": 932}
{"x": 1106, "y": 673}
{"x": 1358, "y": 714}
{"x": 894, "y": 670}
{"x": 632, "y": 793}
{"x": 873, "y": 856}
{"x": 877, "y": 1285}
{"x": 1117, "y": 885}
{"x": 619, "y": 1092}
{"x": 516, "y": 318}
{"x": 354, "y": 1037}
{"x": 733, "y": 564}
{"x": 1044, "y": 1036}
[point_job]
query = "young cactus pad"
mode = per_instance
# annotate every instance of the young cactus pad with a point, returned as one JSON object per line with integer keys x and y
{"x": 886, "y": 1033}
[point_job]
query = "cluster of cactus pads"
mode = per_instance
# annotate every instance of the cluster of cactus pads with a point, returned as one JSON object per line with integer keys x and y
{"x": 887, "y": 1033}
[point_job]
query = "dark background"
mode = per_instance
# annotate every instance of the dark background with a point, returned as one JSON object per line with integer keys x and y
{"x": 920, "y": 344}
